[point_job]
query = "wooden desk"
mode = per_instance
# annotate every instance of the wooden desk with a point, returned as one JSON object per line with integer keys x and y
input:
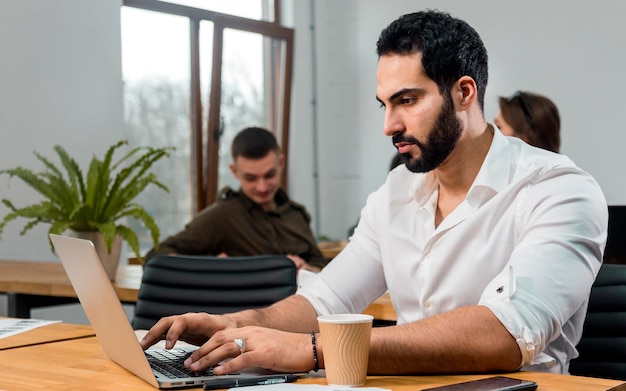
{"x": 80, "y": 364}
{"x": 49, "y": 333}
{"x": 39, "y": 284}
{"x": 382, "y": 309}
{"x": 330, "y": 249}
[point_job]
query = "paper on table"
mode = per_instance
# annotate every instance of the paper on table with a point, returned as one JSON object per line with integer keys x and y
{"x": 9, "y": 327}
{"x": 304, "y": 387}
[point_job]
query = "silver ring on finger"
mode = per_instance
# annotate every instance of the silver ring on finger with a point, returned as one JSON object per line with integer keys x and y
{"x": 241, "y": 344}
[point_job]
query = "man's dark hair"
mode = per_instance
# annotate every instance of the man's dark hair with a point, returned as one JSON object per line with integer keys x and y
{"x": 253, "y": 143}
{"x": 450, "y": 48}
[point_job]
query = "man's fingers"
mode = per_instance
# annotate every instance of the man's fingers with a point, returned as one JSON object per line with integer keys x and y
{"x": 232, "y": 366}
{"x": 210, "y": 355}
{"x": 148, "y": 340}
{"x": 166, "y": 328}
{"x": 156, "y": 333}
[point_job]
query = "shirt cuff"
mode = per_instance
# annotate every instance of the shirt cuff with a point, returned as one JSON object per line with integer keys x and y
{"x": 497, "y": 297}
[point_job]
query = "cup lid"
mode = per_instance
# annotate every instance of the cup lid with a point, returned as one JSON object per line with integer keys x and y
{"x": 345, "y": 318}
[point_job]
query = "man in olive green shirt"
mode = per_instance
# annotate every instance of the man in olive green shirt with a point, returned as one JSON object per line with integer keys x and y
{"x": 258, "y": 219}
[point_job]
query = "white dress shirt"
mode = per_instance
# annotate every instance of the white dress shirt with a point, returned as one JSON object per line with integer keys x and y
{"x": 527, "y": 243}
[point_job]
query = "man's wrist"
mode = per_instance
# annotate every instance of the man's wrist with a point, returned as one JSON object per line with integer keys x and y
{"x": 316, "y": 365}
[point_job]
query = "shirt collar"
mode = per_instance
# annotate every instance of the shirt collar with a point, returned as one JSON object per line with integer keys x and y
{"x": 423, "y": 187}
{"x": 492, "y": 177}
{"x": 281, "y": 198}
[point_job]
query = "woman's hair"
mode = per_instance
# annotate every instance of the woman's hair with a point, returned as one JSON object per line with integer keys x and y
{"x": 534, "y": 118}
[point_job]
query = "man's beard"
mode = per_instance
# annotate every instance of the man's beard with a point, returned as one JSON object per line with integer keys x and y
{"x": 442, "y": 139}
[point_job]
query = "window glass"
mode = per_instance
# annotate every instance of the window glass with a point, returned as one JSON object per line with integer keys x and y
{"x": 167, "y": 63}
{"x": 156, "y": 75}
{"x": 244, "y": 101}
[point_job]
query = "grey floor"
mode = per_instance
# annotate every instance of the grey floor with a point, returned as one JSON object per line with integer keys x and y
{"x": 70, "y": 313}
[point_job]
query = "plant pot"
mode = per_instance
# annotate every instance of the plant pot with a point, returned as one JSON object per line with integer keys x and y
{"x": 111, "y": 260}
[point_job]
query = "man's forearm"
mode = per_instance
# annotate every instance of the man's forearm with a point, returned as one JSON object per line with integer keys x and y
{"x": 294, "y": 314}
{"x": 468, "y": 339}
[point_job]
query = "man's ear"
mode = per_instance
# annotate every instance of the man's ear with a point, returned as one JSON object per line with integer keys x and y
{"x": 465, "y": 93}
{"x": 233, "y": 169}
{"x": 281, "y": 160}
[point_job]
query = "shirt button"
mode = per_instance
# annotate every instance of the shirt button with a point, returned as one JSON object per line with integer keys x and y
{"x": 427, "y": 304}
{"x": 427, "y": 255}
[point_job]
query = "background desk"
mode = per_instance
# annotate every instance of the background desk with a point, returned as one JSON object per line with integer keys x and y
{"x": 39, "y": 284}
{"x": 382, "y": 309}
{"x": 49, "y": 333}
{"x": 330, "y": 249}
{"x": 80, "y": 364}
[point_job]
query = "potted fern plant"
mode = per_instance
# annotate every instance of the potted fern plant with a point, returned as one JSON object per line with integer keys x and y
{"x": 92, "y": 206}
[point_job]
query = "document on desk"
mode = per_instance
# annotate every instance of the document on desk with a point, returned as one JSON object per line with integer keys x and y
{"x": 9, "y": 327}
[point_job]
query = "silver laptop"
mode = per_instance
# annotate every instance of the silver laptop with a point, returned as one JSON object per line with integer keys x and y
{"x": 114, "y": 331}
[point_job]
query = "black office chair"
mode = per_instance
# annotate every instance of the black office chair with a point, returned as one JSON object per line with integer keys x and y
{"x": 176, "y": 284}
{"x": 602, "y": 347}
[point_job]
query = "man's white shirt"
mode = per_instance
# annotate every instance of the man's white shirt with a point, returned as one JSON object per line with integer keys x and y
{"x": 527, "y": 243}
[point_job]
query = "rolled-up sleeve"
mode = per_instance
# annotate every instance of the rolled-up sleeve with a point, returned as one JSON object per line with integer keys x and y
{"x": 348, "y": 284}
{"x": 542, "y": 296}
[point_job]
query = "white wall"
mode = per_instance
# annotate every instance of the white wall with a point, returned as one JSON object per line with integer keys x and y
{"x": 572, "y": 55}
{"x": 60, "y": 72}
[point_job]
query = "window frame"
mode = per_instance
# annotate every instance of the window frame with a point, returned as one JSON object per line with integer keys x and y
{"x": 205, "y": 152}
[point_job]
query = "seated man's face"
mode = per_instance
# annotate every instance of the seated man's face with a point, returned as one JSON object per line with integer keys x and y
{"x": 259, "y": 178}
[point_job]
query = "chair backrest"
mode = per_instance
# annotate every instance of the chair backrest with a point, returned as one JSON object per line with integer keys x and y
{"x": 602, "y": 347}
{"x": 176, "y": 284}
{"x": 615, "y": 251}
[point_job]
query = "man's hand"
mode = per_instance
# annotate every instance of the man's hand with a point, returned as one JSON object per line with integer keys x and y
{"x": 266, "y": 348}
{"x": 193, "y": 328}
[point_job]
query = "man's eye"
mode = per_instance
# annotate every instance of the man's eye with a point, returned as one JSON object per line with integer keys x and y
{"x": 408, "y": 100}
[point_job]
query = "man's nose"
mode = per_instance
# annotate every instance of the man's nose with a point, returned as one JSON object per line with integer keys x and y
{"x": 392, "y": 123}
{"x": 262, "y": 185}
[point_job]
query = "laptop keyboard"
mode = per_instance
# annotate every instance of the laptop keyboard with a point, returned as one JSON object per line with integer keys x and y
{"x": 170, "y": 363}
